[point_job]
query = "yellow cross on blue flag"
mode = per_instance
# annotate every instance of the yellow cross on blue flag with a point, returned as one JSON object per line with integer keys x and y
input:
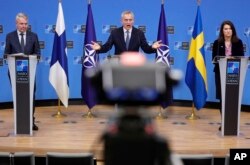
{"x": 196, "y": 74}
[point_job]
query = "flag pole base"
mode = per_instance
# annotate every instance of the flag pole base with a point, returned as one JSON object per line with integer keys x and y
{"x": 192, "y": 116}
{"x": 89, "y": 115}
{"x": 160, "y": 115}
{"x": 59, "y": 114}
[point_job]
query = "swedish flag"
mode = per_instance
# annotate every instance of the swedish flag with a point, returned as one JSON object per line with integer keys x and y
{"x": 196, "y": 74}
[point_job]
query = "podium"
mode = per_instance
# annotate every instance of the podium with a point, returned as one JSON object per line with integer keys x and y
{"x": 232, "y": 76}
{"x": 115, "y": 59}
{"x": 22, "y": 69}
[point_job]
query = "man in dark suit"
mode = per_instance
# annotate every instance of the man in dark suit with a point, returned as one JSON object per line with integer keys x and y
{"x": 126, "y": 38}
{"x": 23, "y": 41}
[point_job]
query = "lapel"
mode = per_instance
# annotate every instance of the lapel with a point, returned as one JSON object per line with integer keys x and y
{"x": 28, "y": 38}
{"x": 121, "y": 38}
{"x": 17, "y": 42}
{"x": 234, "y": 53}
{"x": 132, "y": 37}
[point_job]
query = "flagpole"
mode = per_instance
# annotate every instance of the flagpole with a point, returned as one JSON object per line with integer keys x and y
{"x": 59, "y": 113}
{"x": 160, "y": 114}
{"x": 89, "y": 113}
{"x": 163, "y": 58}
{"x": 192, "y": 116}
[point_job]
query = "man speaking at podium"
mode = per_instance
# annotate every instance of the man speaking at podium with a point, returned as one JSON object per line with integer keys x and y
{"x": 23, "y": 41}
{"x": 126, "y": 38}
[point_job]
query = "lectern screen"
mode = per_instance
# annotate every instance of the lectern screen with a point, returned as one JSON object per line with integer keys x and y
{"x": 22, "y": 68}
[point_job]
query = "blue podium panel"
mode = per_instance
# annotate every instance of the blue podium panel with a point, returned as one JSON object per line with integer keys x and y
{"x": 22, "y": 96}
{"x": 231, "y": 97}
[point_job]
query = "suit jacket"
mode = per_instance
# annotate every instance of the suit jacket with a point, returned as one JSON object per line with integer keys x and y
{"x": 219, "y": 50}
{"x": 13, "y": 45}
{"x": 137, "y": 41}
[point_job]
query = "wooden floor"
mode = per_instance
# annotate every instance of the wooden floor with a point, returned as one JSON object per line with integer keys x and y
{"x": 74, "y": 133}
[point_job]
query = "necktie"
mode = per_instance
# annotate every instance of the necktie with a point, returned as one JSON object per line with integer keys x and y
{"x": 22, "y": 42}
{"x": 127, "y": 39}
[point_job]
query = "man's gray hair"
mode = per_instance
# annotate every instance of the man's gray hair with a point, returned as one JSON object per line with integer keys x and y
{"x": 127, "y": 12}
{"x": 21, "y": 15}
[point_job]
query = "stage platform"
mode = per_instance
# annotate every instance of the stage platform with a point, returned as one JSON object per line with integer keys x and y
{"x": 74, "y": 133}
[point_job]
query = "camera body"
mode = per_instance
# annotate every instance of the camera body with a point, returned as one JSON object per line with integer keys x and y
{"x": 148, "y": 84}
{"x": 131, "y": 139}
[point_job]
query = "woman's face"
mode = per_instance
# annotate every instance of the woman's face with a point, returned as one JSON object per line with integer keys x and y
{"x": 227, "y": 31}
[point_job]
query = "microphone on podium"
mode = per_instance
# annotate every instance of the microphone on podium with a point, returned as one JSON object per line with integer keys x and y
{"x": 247, "y": 33}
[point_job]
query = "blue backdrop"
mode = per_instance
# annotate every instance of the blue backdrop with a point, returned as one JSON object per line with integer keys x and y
{"x": 180, "y": 16}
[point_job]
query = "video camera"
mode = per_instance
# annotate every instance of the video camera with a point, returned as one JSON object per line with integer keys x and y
{"x": 132, "y": 83}
{"x": 146, "y": 84}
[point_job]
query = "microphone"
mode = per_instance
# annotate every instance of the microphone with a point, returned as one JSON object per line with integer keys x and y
{"x": 246, "y": 33}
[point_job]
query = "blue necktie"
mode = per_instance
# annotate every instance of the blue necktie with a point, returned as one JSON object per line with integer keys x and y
{"x": 127, "y": 39}
{"x": 22, "y": 42}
